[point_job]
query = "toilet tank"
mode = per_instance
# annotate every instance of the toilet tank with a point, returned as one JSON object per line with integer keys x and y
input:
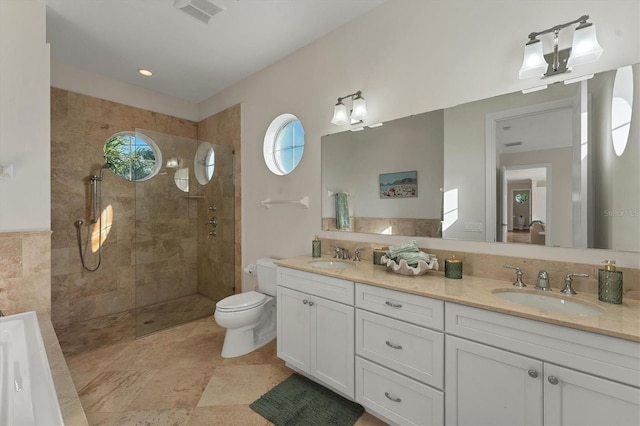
{"x": 266, "y": 271}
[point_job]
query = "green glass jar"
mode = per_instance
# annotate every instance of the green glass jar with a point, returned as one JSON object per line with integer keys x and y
{"x": 610, "y": 283}
{"x": 453, "y": 268}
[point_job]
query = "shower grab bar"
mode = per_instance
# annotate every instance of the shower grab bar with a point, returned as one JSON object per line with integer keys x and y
{"x": 304, "y": 201}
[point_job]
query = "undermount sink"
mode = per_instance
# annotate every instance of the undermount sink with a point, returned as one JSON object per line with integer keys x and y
{"x": 330, "y": 264}
{"x": 549, "y": 302}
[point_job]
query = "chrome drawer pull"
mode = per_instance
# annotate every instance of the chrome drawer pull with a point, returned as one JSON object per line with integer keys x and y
{"x": 391, "y": 345}
{"x": 393, "y": 305}
{"x": 392, "y": 398}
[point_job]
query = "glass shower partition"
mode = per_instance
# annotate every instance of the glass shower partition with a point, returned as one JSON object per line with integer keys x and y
{"x": 184, "y": 244}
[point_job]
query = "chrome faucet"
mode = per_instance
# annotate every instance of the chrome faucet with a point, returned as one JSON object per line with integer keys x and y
{"x": 518, "y": 282}
{"x": 567, "y": 283}
{"x": 356, "y": 255}
{"x": 336, "y": 252}
{"x": 340, "y": 253}
{"x": 543, "y": 281}
{"x": 345, "y": 254}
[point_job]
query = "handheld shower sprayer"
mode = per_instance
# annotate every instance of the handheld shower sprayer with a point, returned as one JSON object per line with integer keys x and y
{"x": 96, "y": 207}
{"x": 96, "y": 192}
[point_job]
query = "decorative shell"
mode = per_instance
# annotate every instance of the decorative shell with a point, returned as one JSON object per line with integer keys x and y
{"x": 404, "y": 269}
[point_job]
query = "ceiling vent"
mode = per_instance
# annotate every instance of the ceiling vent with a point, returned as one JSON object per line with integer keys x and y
{"x": 202, "y": 10}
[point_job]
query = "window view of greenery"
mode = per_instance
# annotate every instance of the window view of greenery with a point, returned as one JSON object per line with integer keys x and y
{"x": 131, "y": 157}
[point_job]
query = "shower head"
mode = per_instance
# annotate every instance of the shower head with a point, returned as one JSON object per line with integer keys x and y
{"x": 106, "y": 165}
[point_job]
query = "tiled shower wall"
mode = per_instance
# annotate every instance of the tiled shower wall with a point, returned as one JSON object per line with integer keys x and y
{"x": 167, "y": 233}
{"x": 217, "y": 260}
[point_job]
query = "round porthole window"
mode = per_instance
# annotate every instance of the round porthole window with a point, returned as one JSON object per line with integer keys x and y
{"x": 283, "y": 144}
{"x": 205, "y": 163}
{"x": 621, "y": 109}
{"x": 133, "y": 156}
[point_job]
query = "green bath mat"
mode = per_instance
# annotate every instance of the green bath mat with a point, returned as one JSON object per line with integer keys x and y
{"x": 302, "y": 402}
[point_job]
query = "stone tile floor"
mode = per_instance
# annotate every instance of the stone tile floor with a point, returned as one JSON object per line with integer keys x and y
{"x": 171, "y": 377}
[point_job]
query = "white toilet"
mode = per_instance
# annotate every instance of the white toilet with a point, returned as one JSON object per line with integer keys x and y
{"x": 250, "y": 317}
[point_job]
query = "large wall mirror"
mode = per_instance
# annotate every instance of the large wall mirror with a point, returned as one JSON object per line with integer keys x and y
{"x": 534, "y": 168}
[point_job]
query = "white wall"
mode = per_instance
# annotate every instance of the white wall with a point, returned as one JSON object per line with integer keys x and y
{"x": 617, "y": 206}
{"x": 353, "y": 161}
{"x": 25, "y": 200}
{"x": 407, "y": 57}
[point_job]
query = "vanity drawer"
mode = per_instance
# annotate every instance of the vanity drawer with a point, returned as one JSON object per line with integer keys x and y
{"x": 415, "y": 309}
{"x": 597, "y": 354}
{"x": 396, "y": 397}
{"x": 330, "y": 288}
{"x": 415, "y": 351}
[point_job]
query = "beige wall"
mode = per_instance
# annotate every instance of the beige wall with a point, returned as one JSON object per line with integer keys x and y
{"x": 79, "y": 127}
{"x": 224, "y": 128}
{"x": 25, "y": 272}
{"x": 158, "y": 247}
{"x": 25, "y": 239}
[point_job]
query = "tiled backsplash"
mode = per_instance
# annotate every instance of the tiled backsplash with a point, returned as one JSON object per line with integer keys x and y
{"x": 492, "y": 266}
{"x": 25, "y": 272}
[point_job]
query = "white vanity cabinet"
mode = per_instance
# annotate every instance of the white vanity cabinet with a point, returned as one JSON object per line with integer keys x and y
{"x": 400, "y": 355}
{"x": 505, "y": 370}
{"x": 315, "y": 327}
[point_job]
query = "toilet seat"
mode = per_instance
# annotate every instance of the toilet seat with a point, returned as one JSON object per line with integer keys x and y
{"x": 241, "y": 302}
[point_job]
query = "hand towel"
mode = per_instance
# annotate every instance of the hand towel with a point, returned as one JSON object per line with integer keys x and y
{"x": 413, "y": 258}
{"x": 342, "y": 211}
{"x": 407, "y": 247}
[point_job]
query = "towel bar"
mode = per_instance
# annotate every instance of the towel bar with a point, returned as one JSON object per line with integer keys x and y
{"x": 304, "y": 201}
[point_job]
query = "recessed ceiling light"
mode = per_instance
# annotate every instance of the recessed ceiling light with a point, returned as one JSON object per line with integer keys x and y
{"x": 146, "y": 73}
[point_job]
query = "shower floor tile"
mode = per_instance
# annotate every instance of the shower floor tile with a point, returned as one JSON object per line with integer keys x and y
{"x": 171, "y": 377}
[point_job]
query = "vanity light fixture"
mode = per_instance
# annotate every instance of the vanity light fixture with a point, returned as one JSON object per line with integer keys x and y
{"x": 584, "y": 49}
{"x": 342, "y": 116}
{"x": 144, "y": 72}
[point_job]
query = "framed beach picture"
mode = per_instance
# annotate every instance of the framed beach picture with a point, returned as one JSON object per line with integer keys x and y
{"x": 399, "y": 185}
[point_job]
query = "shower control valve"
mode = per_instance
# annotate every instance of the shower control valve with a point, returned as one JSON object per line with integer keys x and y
{"x": 212, "y": 234}
{"x": 213, "y": 221}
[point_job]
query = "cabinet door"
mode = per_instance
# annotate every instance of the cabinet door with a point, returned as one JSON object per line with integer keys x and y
{"x": 489, "y": 386}
{"x": 294, "y": 319}
{"x": 332, "y": 356}
{"x": 573, "y": 398}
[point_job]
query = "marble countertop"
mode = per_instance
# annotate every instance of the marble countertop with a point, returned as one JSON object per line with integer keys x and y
{"x": 72, "y": 411}
{"x": 621, "y": 321}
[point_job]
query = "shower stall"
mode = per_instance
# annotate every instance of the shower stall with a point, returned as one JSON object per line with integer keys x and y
{"x": 184, "y": 243}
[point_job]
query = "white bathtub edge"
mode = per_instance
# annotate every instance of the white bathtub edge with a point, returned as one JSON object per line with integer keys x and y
{"x": 70, "y": 406}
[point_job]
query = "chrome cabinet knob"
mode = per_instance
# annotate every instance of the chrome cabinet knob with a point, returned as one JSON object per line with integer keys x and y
{"x": 393, "y": 346}
{"x": 553, "y": 380}
{"x": 305, "y": 301}
{"x": 310, "y": 302}
{"x": 392, "y": 398}
{"x": 533, "y": 373}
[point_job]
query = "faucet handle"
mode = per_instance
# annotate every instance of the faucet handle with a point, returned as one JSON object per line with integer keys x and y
{"x": 336, "y": 251}
{"x": 567, "y": 283}
{"x": 356, "y": 254}
{"x": 518, "y": 282}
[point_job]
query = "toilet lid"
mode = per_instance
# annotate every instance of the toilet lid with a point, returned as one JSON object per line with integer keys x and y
{"x": 241, "y": 301}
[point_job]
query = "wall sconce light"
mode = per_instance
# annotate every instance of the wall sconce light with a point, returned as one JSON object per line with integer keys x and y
{"x": 584, "y": 49}
{"x": 358, "y": 110}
